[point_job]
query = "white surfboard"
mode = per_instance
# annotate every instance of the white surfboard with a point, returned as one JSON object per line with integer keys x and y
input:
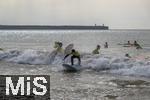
{"x": 68, "y": 49}
{"x": 71, "y": 67}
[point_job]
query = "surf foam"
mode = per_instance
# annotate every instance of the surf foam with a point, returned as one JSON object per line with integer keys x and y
{"x": 113, "y": 64}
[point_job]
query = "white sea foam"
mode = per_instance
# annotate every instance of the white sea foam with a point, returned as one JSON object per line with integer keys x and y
{"x": 113, "y": 64}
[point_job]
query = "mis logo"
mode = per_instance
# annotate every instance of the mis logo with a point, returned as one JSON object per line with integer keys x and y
{"x": 25, "y": 87}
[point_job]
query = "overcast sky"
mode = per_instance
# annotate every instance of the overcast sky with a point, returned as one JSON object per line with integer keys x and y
{"x": 114, "y": 13}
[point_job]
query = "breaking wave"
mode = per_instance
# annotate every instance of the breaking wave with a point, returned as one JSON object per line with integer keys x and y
{"x": 111, "y": 64}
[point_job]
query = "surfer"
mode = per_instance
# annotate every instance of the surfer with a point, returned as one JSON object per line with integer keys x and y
{"x": 1, "y": 49}
{"x": 58, "y": 46}
{"x": 128, "y": 43}
{"x": 75, "y": 54}
{"x": 137, "y": 45}
{"x": 127, "y": 55}
{"x": 106, "y": 45}
{"x": 96, "y": 51}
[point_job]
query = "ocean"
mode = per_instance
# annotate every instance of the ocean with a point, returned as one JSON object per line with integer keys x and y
{"x": 106, "y": 76}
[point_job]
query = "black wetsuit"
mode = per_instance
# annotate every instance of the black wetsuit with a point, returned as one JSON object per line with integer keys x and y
{"x": 74, "y": 55}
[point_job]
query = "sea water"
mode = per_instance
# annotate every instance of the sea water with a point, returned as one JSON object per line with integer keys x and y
{"x": 106, "y": 76}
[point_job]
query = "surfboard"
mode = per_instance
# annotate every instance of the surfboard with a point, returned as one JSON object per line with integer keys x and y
{"x": 127, "y": 46}
{"x": 120, "y": 44}
{"x": 52, "y": 56}
{"x": 68, "y": 49}
{"x": 71, "y": 67}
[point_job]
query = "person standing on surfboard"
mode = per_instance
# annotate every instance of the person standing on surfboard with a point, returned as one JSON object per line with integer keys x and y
{"x": 75, "y": 54}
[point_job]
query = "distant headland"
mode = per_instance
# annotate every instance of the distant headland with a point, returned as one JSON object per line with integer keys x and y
{"x": 52, "y": 27}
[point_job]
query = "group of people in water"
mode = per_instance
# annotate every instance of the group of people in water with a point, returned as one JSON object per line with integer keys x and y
{"x": 135, "y": 44}
{"x": 76, "y": 55}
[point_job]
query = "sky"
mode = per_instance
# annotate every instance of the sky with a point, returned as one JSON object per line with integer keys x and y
{"x": 117, "y": 14}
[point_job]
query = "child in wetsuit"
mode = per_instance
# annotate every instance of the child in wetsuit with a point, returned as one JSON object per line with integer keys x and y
{"x": 75, "y": 54}
{"x": 96, "y": 51}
